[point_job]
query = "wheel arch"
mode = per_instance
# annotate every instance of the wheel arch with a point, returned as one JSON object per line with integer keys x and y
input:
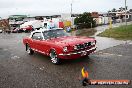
{"x": 51, "y": 50}
{"x": 56, "y": 49}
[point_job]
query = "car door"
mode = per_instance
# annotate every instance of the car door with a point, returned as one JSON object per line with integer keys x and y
{"x": 37, "y": 39}
{"x": 45, "y": 43}
{"x": 46, "y": 47}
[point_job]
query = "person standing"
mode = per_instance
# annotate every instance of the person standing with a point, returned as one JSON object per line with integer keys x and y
{"x": 85, "y": 76}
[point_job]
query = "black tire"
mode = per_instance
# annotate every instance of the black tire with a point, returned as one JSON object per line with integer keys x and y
{"x": 29, "y": 50}
{"x": 84, "y": 84}
{"x": 54, "y": 58}
{"x": 87, "y": 56}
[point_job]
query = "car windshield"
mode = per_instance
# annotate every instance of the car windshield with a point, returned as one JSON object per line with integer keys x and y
{"x": 54, "y": 34}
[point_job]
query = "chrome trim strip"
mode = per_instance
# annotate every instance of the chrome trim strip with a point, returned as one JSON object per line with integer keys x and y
{"x": 78, "y": 52}
{"x": 38, "y": 50}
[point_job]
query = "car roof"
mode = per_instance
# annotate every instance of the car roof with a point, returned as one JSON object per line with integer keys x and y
{"x": 43, "y": 30}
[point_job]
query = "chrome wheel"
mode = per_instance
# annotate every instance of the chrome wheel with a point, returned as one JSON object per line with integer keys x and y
{"x": 54, "y": 58}
{"x": 29, "y": 50}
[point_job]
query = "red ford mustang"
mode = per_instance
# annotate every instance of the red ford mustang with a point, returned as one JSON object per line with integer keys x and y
{"x": 57, "y": 44}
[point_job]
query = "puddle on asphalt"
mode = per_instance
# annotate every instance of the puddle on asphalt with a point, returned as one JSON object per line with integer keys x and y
{"x": 130, "y": 43}
{"x": 102, "y": 42}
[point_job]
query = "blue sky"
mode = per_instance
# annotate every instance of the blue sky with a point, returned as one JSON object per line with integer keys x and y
{"x": 49, "y": 7}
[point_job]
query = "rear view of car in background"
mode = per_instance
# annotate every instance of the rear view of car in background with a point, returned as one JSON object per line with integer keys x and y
{"x": 17, "y": 30}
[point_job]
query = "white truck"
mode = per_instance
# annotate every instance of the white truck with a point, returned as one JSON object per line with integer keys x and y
{"x": 38, "y": 24}
{"x": 35, "y": 24}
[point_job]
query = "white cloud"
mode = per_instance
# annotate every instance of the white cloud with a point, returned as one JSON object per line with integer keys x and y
{"x": 41, "y": 7}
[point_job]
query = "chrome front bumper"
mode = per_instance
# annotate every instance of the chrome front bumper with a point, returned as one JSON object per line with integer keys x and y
{"x": 79, "y": 52}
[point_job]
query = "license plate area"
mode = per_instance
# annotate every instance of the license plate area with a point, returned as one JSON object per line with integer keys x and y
{"x": 83, "y": 53}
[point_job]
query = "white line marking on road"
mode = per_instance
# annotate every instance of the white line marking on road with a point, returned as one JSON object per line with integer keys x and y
{"x": 41, "y": 68}
{"x": 111, "y": 54}
{"x": 130, "y": 43}
{"x": 15, "y": 57}
{"x": 120, "y": 55}
{"x": 5, "y": 49}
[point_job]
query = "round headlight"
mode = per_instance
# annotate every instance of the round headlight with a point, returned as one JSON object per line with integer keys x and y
{"x": 93, "y": 43}
{"x": 65, "y": 49}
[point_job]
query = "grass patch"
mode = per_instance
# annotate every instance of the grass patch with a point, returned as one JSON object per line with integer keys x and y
{"x": 122, "y": 32}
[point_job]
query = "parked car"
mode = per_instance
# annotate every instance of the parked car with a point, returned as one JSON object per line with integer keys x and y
{"x": 17, "y": 30}
{"x": 36, "y": 24}
{"x": 57, "y": 44}
{"x": 27, "y": 28}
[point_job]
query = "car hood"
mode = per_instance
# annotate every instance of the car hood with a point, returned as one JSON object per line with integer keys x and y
{"x": 70, "y": 40}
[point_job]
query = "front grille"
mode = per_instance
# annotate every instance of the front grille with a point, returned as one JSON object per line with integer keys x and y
{"x": 83, "y": 46}
{"x": 80, "y": 46}
{"x": 89, "y": 44}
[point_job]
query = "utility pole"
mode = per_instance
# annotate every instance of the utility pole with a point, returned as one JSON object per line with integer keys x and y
{"x": 71, "y": 13}
{"x": 0, "y": 22}
{"x": 71, "y": 8}
{"x": 125, "y": 19}
{"x": 125, "y": 14}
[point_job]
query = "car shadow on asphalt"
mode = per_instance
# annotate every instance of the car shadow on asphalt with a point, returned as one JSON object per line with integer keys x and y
{"x": 85, "y": 59}
{"x": 78, "y": 60}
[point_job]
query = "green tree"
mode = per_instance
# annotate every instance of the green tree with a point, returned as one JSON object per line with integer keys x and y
{"x": 113, "y": 10}
{"x": 85, "y": 20}
{"x": 130, "y": 10}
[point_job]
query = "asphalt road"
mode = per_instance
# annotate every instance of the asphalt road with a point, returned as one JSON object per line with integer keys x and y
{"x": 19, "y": 70}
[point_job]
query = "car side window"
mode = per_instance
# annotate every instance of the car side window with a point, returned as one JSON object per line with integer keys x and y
{"x": 37, "y": 36}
